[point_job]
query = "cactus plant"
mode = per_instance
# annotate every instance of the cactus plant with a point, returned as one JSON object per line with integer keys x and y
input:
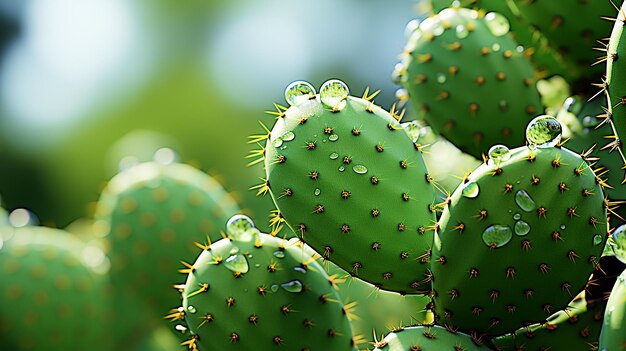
{"x": 342, "y": 172}
{"x": 155, "y": 213}
{"x": 256, "y": 291}
{"x": 512, "y": 234}
{"x": 427, "y": 338}
{"x": 613, "y": 336}
{"x": 52, "y": 292}
{"x": 473, "y": 106}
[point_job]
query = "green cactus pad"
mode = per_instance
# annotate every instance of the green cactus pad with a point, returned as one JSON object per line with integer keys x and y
{"x": 573, "y": 28}
{"x": 467, "y": 78}
{"x": 613, "y": 335}
{"x": 156, "y": 212}
{"x": 518, "y": 240}
{"x": 52, "y": 292}
{"x": 260, "y": 295}
{"x": 428, "y": 338}
{"x": 352, "y": 184}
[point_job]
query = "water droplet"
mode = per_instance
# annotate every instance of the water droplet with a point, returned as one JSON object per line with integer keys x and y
{"x": 22, "y": 217}
{"x": 441, "y": 78}
{"x": 562, "y": 227}
{"x": 333, "y": 137}
{"x": 294, "y": 286}
{"x": 334, "y": 156}
{"x": 284, "y": 147}
{"x": 300, "y": 269}
{"x": 257, "y": 265}
{"x": 396, "y": 74}
{"x": 471, "y": 190}
{"x": 274, "y": 288}
{"x": 402, "y": 95}
{"x": 597, "y": 239}
{"x": 517, "y": 216}
{"x": 411, "y": 27}
{"x": 522, "y": 228}
{"x": 524, "y": 201}
{"x": 279, "y": 254}
{"x": 498, "y": 235}
{"x": 495, "y": 47}
{"x": 341, "y": 169}
{"x": 412, "y": 129}
{"x": 237, "y": 263}
{"x": 181, "y": 328}
{"x": 239, "y": 227}
{"x": 498, "y": 25}
{"x": 619, "y": 240}
{"x": 359, "y": 169}
{"x": 317, "y": 192}
{"x": 249, "y": 256}
{"x": 461, "y": 31}
{"x": 191, "y": 309}
{"x": 499, "y": 153}
{"x": 299, "y": 92}
{"x": 333, "y": 94}
{"x": 543, "y": 131}
{"x": 573, "y": 104}
{"x": 234, "y": 250}
{"x": 288, "y": 136}
{"x": 165, "y": 156}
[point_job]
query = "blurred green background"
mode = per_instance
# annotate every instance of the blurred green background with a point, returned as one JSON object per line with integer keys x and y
{"x": 87, "y": 84}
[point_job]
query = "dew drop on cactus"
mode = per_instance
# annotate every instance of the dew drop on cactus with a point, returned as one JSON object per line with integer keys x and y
{"x": 191, "y": 309}
{"x": 619, "y": 243}
{"x": 333, "y": 137}
{"x": 412, "y": 129}
{"x": 359, "y": 169}
{"x": 498, "y": 25}
{"x": 279, "y": 254}
{"x": 543, "y": 131}
{"x": 333, "y": 94}
{"x": 165, "y": 156}
{"x": 471, "y": 190}
{"x": 181, "y": 328}
{"x": 517, "y": 216}
{"x": 521, "y": 228}
{"x": 597, "y": 239}
{"x": 334, "y": 156}
{"x": 461, "y": 31}
{"x": 288, "y": 136}
{"x": 499, "y": 153}
{"x": 441, "y": 78}
{"x": 497, "y": 235}
{"x": 239, "y": 227}
{"x": 294, "y": 286}
{"x": 237, "y": 263}
{"x": 299, "y": 269}
{"x": 274, "y": 288}
{"x": 299, "y": 92}
{"x": 411, "y": 27}
{"x": 317, "y": 192}
{"x": 524, "y": 201}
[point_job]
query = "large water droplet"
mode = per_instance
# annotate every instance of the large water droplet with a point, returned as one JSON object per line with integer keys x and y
{"x": 333, "y": 94}
{"x": 521, "y": 228}
{"x": 299, "y": 92}
{"x": 619, "y": 240}
{"x": 300, "y": 269}
{"x": 165, "y": 156}
{"x": 274, "y": 288}
{"x": 461, "y": 31}
{"x": 544, "y": 131}
{"x": 294, "y": 286}
{"x": 333, "y": 137}
{"x": 237, "y": 263}
{"x": 359, "y": 169}
{"x": 191, "y": 309}
{"x": 334, "y": 156}
{"x": 499, "y": 153}
{"x": 412, "y": 129}
{"x": 597, "y": 239}
{"x": 498, "y": 25}
{"x": 470, "y": 190}
{"x": 239, "y": 228}
{"x": 288, "y": 136}
{"x": 279, "y": 254}
{"x": 497, "y": 235}
{"x": 525, "y": 201}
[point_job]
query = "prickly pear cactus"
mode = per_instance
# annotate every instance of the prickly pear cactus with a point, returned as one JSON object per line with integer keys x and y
{"x": 520, "y": 237}
{"x": 351, "y": 183}
{"x": 256, "y": 291}
{"x": 545, "y": 59}
{"x": 572, "y": 36}
{"x": 428, "y": 338}
{"x": 52, "y": 292}
{"x": 468, "y": 80}
{"x": 613, "y": 336}
{"x": 155, "y": 212}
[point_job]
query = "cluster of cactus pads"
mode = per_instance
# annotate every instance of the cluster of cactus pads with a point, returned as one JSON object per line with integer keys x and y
{"x": 372, "y": 247}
